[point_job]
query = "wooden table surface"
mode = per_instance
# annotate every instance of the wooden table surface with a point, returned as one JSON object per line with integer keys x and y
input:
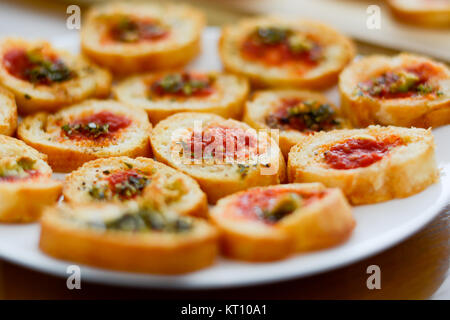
{"x": 417, "y": 268}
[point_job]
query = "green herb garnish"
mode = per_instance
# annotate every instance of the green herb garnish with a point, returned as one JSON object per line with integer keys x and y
{"x": 243, "y": 170}
{"x": 147, "y": 219}
{"x": 46, "y": 71}
{"x": 91, "y": 129}
{"x": 285, "y": 205}
{"x": 131, "y": 187}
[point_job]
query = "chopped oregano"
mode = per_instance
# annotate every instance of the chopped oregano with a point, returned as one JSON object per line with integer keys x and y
{"x": 26, "y": 163}
{"x": 131, "y": 187}
{"x": 46, "y": 71}
{"x": 309, "y": 115}
{"x": 128, "y": 165}
{"x": 98, "y": 193}
{"x": 285, "y": 205}
{"x": 17, "y": 168}
{"x": 91, "y": 129}
{"x": 184, "y": 84}
{"x": 243, "y": 170}
{"x": 147, "y": 219}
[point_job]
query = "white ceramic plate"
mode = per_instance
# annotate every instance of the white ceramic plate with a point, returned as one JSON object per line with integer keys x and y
{"x": 378, "y": 227}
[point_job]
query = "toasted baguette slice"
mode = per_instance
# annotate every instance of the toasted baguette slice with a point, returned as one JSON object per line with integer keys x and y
{"x": 128, "y": 38}
{"x": 75, "y": 80}
{"x": 26, "y": 187}
{"x": 219, "y": 93}
{"x": 69, "y": 144}
{"x": 128, "y": 238}
{"x": 268, "y": 223}
{"x": 285, "y": 53}
{"x": 423, "y": 102}
{"x": 294, "y": 112}
{"x": 176, "y": 143}
{"x": 369, "y": 165}
{"x": 8, "y": 112}
{"x": 426, "y": 13}
{"x": 120, "y": 179}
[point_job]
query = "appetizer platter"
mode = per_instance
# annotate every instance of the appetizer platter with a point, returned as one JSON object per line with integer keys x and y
{"x": 136, "y": 209}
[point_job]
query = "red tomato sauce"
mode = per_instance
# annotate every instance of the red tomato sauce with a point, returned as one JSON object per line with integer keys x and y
{"x": 32, "y": 174}
{"x": 17, "y": 63}
{"x": 359, "y": 153}
{"x": 121, "y": 176}
{"x": 234, "y": 142}
{"x": 252, "y": 203}
{"x": 279, "y": 54}
{"x": 114, "y": 121}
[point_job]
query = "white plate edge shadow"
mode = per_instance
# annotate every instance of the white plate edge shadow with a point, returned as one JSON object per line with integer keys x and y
{"x": 228, "y": 273}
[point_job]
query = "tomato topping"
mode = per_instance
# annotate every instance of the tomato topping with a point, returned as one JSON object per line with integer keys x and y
{"x": 359, "y": 152}
{"x": 127, "y": 184}
{"x": 133, "y": 29}
{"x": 36, "y": 67}
{"x": 397, "y": 84}
{"x": 276, "y": 46}
{"x": 123, "y": 184}
{"x": 272, "y": 205}
{"x": 221, "y": 142}
{"x": 301, "y": 115}
{"x": 101, "y": 124}
{"x": 183, "y": 85}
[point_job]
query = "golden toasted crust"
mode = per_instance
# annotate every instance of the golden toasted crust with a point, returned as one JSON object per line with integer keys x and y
{"x": 178, "y": 191}
{"x": 180, "y": 46}
{"x": 44, "y": 132}
{"x": 424, "y": 13}
{"x": 338, "y": 51}
{"x": 323, "y": 223}
{"x": 227, "y": 100}
{"x": 8, "y": 112}
{"x": 65, "y": 237}
{"x": 24, "y": 200}
{"x": 265, "y": 103}
{"x": 217, "y": 179}
{"x": 90, "y": 81}
{"x": 405, "y": 170}
{"x": 422, "y": 111}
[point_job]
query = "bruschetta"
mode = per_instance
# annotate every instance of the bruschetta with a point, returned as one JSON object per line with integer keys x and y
{"x": 43, "y": 78}
{"x": 294, "y": 113}
{"x": 132, "y": 237}
{"x": 269, "y": 223}
{"x": 405, "y": 90}
{"x": 89, "y": 130}
{"x": 369, "y": 165}
{"x": 163, "y": 94}
{"x": 26, "y": 187}
{"x": 279, "y": 52}
{"x": 120, "y": 179}
{"x": 8, "y": 112}
{"x": 426, "y": 13}
{"x": 223, "y": 155}
{"x": 131, "y": 37}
